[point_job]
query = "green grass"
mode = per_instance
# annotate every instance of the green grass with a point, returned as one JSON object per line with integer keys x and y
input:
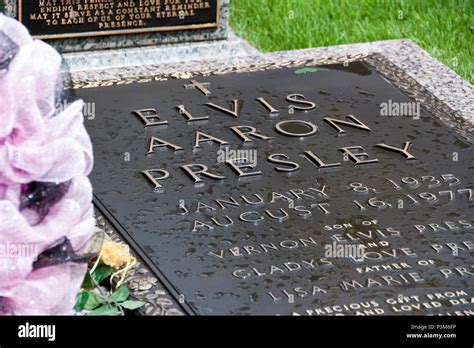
{"x": 440, "y": 27}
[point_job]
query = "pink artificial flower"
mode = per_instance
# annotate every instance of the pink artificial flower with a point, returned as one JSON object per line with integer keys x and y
{"x": 49, "y": 290}
{"x": 36, "y": 142}
{"x": 40, "y": 145}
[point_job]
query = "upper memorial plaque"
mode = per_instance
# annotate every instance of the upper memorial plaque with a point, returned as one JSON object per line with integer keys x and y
{"x": 288, "y": 189}
{"x": 50, "y": 19}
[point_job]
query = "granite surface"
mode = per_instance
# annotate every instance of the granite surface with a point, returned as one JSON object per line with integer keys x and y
{"x": 11, "y": 7}
{"x": 231, "y": 47}
{"x": 404, "y": 63}
{"x": 137, "y": 40}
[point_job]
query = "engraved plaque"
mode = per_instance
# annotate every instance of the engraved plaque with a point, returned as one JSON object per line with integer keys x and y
{"x": 50, "y": 19}
{"x": 292, "y": 189}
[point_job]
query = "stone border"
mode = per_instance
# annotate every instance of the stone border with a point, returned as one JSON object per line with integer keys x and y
{"x": 233, "y": 46}
{"x": 433, "y": 92}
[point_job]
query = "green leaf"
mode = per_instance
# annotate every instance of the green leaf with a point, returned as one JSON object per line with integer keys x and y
{"x": 87, "y": 282}
{"x": 306, "y": 70}
{"x": 81, "y": 300}
{"x": 120, "y": 295}
{"x": 132, "y": 304}
{"x": 101, "y": 272}
{"x": 94, "y": 301}
{"x": 106, "y": 309}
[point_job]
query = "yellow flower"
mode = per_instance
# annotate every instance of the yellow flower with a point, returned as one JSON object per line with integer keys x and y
{"x": 115, "y": 254}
